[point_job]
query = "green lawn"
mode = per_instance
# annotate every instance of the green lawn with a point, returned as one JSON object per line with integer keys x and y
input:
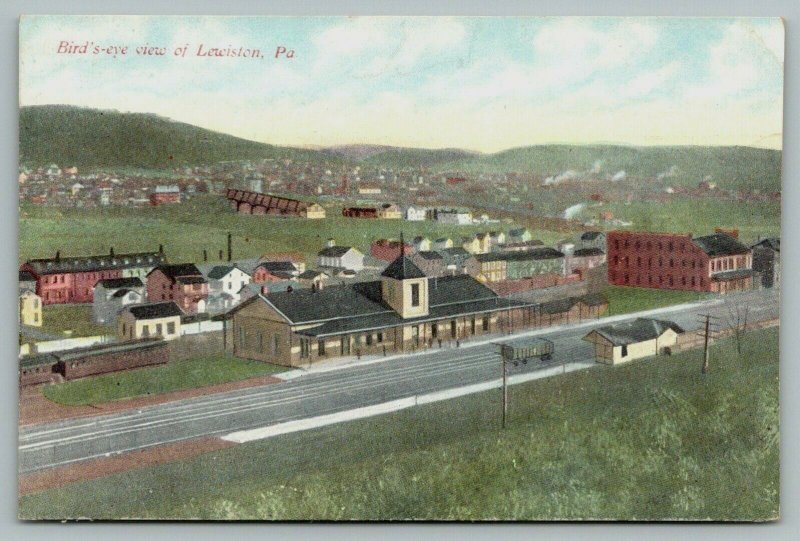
{"x": 654, "y": 439}
{"x": 202, "y": 223}
{"x": 71, "y": 317}
{"x": 700, "y": 216}
{"x": 622, "y": 300}
{"x": 175, "y": 376}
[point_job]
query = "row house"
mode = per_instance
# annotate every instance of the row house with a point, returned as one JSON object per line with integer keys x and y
{"x": 500, "y": 266}
{"x": 63, "y": 280}
{"x": 717, "y": 263}
{"x": 182, "y": 283}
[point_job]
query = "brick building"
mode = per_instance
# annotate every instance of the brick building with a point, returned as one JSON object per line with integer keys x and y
{"x": 63, "y": 280}
{"x": 182, "y": 283}
{"x": 389, "y": 250}
{"x": 717, "y": 263}
{"x": 165, "y": 195}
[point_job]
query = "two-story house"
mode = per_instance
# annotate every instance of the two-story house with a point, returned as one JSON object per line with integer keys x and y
{"x": 182, "y": 283}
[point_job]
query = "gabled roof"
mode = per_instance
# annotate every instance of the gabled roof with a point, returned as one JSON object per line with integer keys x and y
{"x": 178, "y": 269}
{"x": 335, "y": 251}
{"x": 220, "y": 271}
{"x": 124, "y": 291}
{"x": 587, "y": 252}
{"x": 591, "y": 235}
{"x": 95, "y": 263}
{"x": 524, "y": 255}
{"x": 116, "y": 283}
{"x": 429, "y": 255}
{"x": 638, "y": 330}
{"x": 278, "y": 266}
{"x": 155, "y": 310}
{"x": 720, "y": 244}
{"x": 348, "y": 301}
{"x": 773, "y": 243}
{"x": 402, "y": 268}
{"x": 25, "y": 276}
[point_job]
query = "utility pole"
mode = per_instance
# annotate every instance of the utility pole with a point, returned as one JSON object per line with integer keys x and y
{"x": 707, "y": 332}
{"x": 505, "y": 388}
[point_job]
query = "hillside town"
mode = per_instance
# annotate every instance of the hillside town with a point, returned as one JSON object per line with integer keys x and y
{"x": 398, "y": 294}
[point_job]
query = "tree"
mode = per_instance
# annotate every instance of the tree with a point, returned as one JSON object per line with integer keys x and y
{"x": 737, "y": 321}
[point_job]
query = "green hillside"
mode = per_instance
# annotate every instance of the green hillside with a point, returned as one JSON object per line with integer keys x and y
{"x": 90, "y": 138}
{"x": 729, "y": 167}
{"x": 401, "y": 158}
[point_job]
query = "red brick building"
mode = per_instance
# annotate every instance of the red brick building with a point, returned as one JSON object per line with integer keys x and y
{"x": 389, "y": 250}
{"x": 182, "y": 283}
{"x": 63, "y": 280}
{"x": 717, "y": 263}
{"x": 360, "y": 212}
{"x": 165, "y": 195}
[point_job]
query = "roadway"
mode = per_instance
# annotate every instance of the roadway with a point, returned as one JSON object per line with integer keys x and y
{"x": 336, "y": 389}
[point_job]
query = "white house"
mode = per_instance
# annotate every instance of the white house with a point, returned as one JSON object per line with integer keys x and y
{"x": 112, "y": 295}
{"x": 454, "y": 217}
{"x": 421, "y": 244}
{"x": 224, "y": 284}
{"x": 340, "y": 257}
{"x": 414, "y": 214}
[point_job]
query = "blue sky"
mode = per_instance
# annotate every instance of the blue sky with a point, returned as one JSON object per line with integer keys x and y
{"x": 481, "y": 83}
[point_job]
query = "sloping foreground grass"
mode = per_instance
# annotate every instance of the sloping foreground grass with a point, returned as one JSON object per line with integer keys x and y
{"x": 651, "y": 440}
{"x": 174, "y": 376}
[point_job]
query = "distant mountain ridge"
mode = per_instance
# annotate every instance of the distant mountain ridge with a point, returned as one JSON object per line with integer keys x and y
{"x": 84, "y": 137}
{"x": 87, "y": 138}
{"x": 399, "y": 157}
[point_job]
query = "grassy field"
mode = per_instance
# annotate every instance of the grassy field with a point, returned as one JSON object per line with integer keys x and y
{"x": 76, "y": 318}
{"x": 623, "y": 300}
{"x": 700, "y": 216}
{"x": 202, "y": 223}
{"x": 175, "y": 376}
{"x": 654, "y": 439}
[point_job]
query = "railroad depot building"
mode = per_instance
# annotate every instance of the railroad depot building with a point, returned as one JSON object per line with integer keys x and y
{"x": 630, "y": 340}
{"x": 718, "y": 263}
{"x": 402, "y": 311}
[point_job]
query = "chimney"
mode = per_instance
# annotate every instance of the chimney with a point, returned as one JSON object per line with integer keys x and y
{"x": 330, "y": 243}
{"x": 111, "y": 252}
{"x": 58, "y": 255}
{"x": 205, "y": 254}
{"x": 230, "y": 246}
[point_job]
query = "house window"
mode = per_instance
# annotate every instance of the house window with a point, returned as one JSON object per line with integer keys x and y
{"x": 485, "y": 323}
{"x": 452, "y": 328}
{"x": 434, "y": 330}
{"x": 414, "y": 294}
{"x": 145, "y": 330}
{"x": 171, "y": 327}
{"x": 242, "y": 340}
{"x": 124, "y": 328}
{"x": 304, "y": 348}
{"x": 276, "y": 344}
{"x": 321, "y": 347}
{"x": 380, "y": 338}
{"x": 159, "y": 329}
{"x": 472, "y": 326}
{"x": 625, "y": 350}
{"x": 369, "y": 339}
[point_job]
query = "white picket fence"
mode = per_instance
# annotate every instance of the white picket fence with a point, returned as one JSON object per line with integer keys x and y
{"x": 201, "y": 327}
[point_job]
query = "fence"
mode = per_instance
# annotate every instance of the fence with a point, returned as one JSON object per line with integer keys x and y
{"x": 70, "y": 343}
{"x": 200, "y": 327}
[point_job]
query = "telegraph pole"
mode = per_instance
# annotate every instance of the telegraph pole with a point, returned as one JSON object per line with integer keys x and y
{"x": 505, "y": 388}
{"x": 707, "y": 332}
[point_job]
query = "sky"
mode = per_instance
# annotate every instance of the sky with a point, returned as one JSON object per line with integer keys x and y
{"x": 484, "y": 84}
